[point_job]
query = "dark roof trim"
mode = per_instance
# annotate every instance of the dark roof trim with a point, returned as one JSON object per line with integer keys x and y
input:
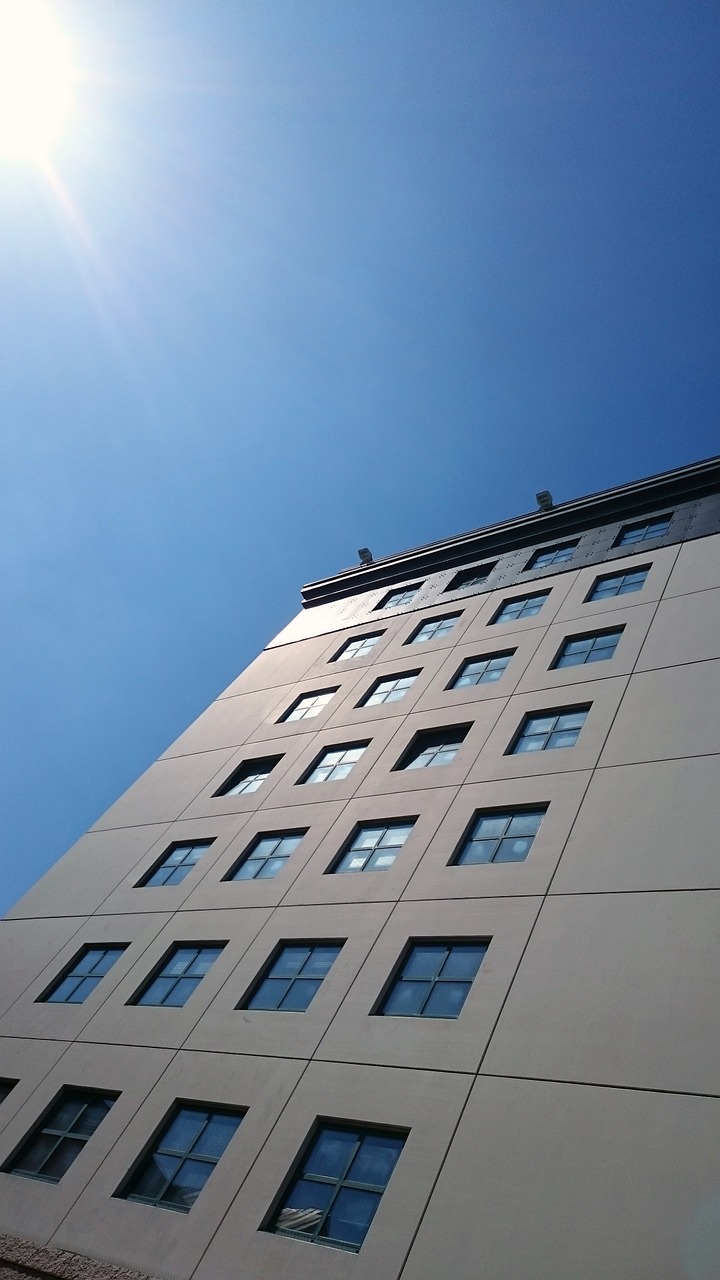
{"x": 622, "y": 503}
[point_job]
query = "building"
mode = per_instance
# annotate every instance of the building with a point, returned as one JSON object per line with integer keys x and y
{"x": 402, "y": 960}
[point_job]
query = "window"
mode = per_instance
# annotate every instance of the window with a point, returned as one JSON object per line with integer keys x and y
{"x": 521, "y": 607}
{"x": 496, "y": 836}
{"x": 374, "y": 847}
{"x": 550, "y": 729}
{"x": 358, "y": 647}
{"x": 471, "y": 577}
{"x": 266, "y": 856}
{"x": 86, "y": 971}
{"x": 57, "y": 1140}
{"x": 644, "y": 529}
{"x": 482, "y": 670}
{"x": 559, "y": 554}
{"x": 308, "y": 705}
{"x": 181, "y": 973}
{"x": 333, "y": 1197}
{"x": 175, "y": 1170}
{"x": 175, "y": 864}
{"x": 248, "y": 777}
{"x": 618, "y": 584}
{"x": 435, "y": 746}
{"x": 433, "y": 629}
{"x": 434, "y": 980}
{"x": 5, "y": 1088}
{"x": 292, "y": 979}
{"x": 391, "y": 689}
{"x": 402, "y": 596}
{"x": 593, "y": 647}
{"x": 335, "y": 763}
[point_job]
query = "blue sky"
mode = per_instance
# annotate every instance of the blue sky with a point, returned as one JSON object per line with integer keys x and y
{"x": 314, "y": 275}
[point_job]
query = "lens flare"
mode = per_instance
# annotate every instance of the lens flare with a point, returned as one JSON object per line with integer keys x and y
{"x": 36, "y": 79}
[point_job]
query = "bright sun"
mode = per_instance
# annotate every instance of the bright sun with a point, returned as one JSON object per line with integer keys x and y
{"x": 35, "y": 79}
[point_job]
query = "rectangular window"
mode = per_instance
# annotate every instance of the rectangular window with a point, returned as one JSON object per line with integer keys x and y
{"x": 267, "y": 856}
{"x": 58, "y": 1139}
{"x": 177, "y": 862}
{"x": 358, "y": 647}
{"x": 248, "y": 776}
{"x": 471, "y": 577}
{"x": 559, "y": 554}
{"x": 335, "y": 763}
{"x": 434, "y": 747}
{"x": 179, "y": 976}
{"x": 403, "y": 595}
{"x": 499, "y": 836}
{"x": 433, "y": 629}
{"x": 334, "y": 1195}
{"x": 481, "y": 670}
{"x": 593, "y": 647}
{"x": 374, "y": 847}
{"x": 389, "y": 689}
{"x": 549, "y": 729}
{"x": 182, "y": 1157}
{"x": 643, "y": 530}
{"x": 86, "y": 971}
{"x": 293, "y": 977}
{"x": 433, "y": 980}
{"x": 618, "y": 584}
{"x": 308, "y": 705}
{"x": 521, "y": 607}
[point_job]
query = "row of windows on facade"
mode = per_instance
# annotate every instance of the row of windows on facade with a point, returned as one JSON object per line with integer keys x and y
{"x": 544, "y": 558}
{"x": 493, "y": 836}
{"x": 540, "y": 731}
{"x": 431, "y": 980}
{"x": 330, "y": 1198}
{"x": 516, "y": 609}
{"x": 593, "y": 646}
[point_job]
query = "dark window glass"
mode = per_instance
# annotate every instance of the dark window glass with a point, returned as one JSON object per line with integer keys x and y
{"x": 5, "y": 1087}
{"x": 642, "y": 530}
{"x": 559, "y": 554}
{"x": 358, "y": 647}
{"x": 402, "y": 596}
{"x": 434, "y": 980}
{"x": 293, "y": 977}
{"x": 434, "y": 629}
{"x": 309, "y": 705}
{"x": 596, "y": 647}
{"x": 482, "y": 670}
{"x": 58, "y": 1139}
{"x": 374, "y": 847}
{"x": 521, "y": 607}
{"x": 174, "y": 1172}
{"x": 86, "y": 971}
{"x": 550, "y": 729}
{"x": 434, "y": 747}
{"x": 267, "y": 856}
{"x": 335, "y": 763}
{"x": 390, "y": 689}
{"x": 333, "y": 1197}
{"x": 248, "y": 777}
{"x": 181, "y": 973}
{"x": 176, "y": 863}
{"x": 619, "y": 584}
{"x": 496, "y": 836}
{"x": 471, "y": 577}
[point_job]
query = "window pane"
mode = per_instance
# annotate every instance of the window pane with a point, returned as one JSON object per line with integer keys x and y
{"x": 446, "y": 1000}
{"x": 331, "y": 1153}
{"x": 66, "y": 992}
{"x": 299, "y": 995}
{"x": 305, "y": 1206}
{"x": 216, "y": 1135}
{"x": 290, "y": 961}
{"x": 62, "y": 1157}
{"x": 491, "y": 826}
{"x": 463, "y": 961}
{"x": 180, "y": 993}
{"x": 406, "y": 999}
{"x": 33, "y": 1156}
{"x": 376, "y": 1159}
{"x": 154, "y": 1176}
{"x": 269, "y": 994}
{"x": 187, "y": 1184}
{"x": 91, "y": 1115}
{"x": 424, "y": 961}
{"x": 184, "y": 1130}
{"x": 350, "y": 1216}
{"x": 513, "y": 850}
{"x": 320, "y": 961}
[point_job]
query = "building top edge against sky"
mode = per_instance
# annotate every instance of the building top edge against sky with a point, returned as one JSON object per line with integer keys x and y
{"x": 680, "y": 485}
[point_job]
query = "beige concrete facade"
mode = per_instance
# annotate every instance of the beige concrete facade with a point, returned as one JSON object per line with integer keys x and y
{"x": 567, "y": 1122}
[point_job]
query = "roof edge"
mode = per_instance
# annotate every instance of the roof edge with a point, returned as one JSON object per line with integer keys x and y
{"x": 681, "y": 484}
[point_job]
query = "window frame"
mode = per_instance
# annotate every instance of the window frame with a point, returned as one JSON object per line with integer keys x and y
{"x": 42, "y": 1125}
{"x": 557, "y": 712}
{"x": 389, "y": 602}
{"x": 246, "y": 855}
{"x": 481, "y": 657}
{"x": 288, "y": 718}
{"x": 647, "y": 523}
{"x": 404, "y": 762}
{"x": 136, "y": 1000}
{"x": 153, "y": 1148}
{"x": 591, "y": 598}
{"x": 378, "y": 1009}
{"x": 553, "y": 548}
{"x": 384, "y": 824}
{"x": 265, "y": 972}
{"x": 401, "y": 675}
{"x": 497, "y": 617}
{"x": 557, "y": 664}
{"x": 305, "y": 778}
{"x": 67, "y": 972}
{"x": 452, "y": 618}
{"x": 144, "y": 881}
{"x": 339, "y": 656}
{"x": 226, "y": 789}
{"x": 497, "y": 811}
{"x": 454, "y": 585}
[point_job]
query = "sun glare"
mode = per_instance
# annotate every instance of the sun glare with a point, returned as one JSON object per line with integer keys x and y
{"x": 35, "y": 79}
